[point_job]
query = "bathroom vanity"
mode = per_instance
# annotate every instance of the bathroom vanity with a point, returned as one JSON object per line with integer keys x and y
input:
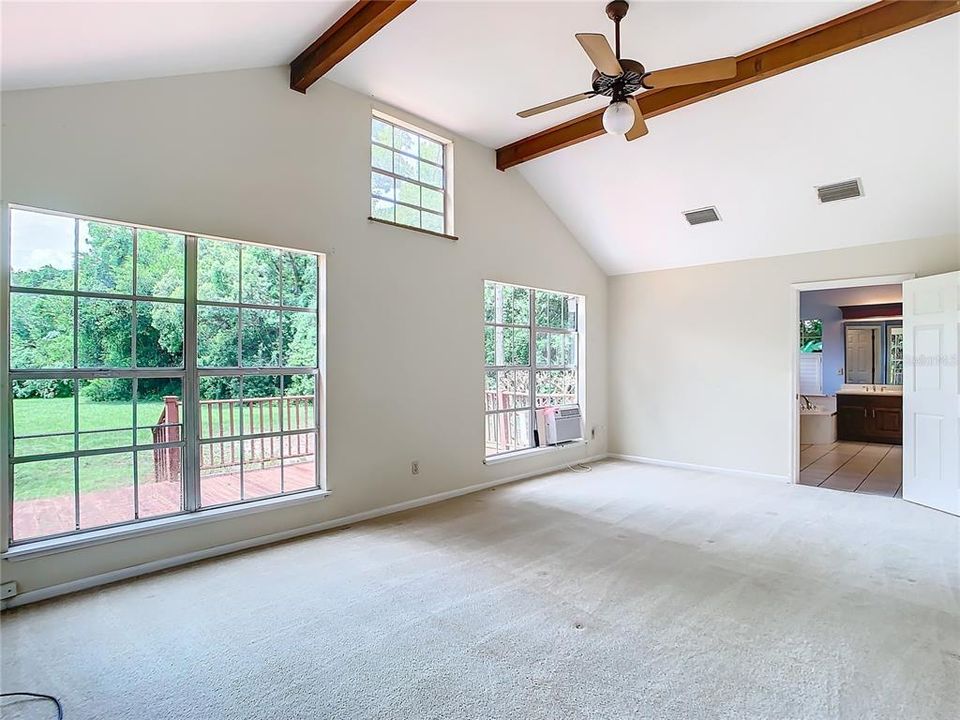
{"x": 870, "y": 403}
{"x": 870, "y": 413}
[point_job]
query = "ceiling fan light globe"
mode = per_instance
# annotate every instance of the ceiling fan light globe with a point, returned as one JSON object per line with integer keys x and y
{"x": 618, "y": 118}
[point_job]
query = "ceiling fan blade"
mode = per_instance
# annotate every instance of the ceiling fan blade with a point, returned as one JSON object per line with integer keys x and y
{"x": 721, "y": 69}
{"x": 601, "y": 54}
{"x": 555, "y": 104}
{"x": 639, "y": 128}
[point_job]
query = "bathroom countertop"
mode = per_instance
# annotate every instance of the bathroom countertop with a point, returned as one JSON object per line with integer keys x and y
{"x": 893, "y": 390}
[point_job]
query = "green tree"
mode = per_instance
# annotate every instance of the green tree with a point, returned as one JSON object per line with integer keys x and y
{"x": 42, "y": 326}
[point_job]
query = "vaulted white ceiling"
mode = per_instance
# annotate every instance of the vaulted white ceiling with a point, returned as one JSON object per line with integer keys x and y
{"x": 887, "y": 112}
{"x": 49, "y": 44}
{"x": 473, "y": 65}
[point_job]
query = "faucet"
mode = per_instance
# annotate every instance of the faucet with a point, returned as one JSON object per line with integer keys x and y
{"x": 807, "y": 404}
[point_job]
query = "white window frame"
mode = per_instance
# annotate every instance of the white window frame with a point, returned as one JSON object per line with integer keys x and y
{"x": 532, "y": 367}
{"x": 446, "y": 165}
{"x": 189, "y": 374}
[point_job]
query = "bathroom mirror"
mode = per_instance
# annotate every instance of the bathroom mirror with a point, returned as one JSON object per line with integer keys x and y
{"x": 874, "y": 353}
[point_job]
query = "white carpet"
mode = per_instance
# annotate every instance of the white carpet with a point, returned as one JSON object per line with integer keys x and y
{"x": 632, "y": 591}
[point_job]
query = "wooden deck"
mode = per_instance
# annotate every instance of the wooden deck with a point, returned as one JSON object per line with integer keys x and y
{"x": 54, "y": 515}
{"x": 853, "y": 467}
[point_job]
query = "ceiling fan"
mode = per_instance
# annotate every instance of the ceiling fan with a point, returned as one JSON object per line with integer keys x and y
{"x": 618, "y": 79}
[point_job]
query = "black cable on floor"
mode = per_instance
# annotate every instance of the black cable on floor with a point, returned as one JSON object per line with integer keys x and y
{"x": 38, "y": 696}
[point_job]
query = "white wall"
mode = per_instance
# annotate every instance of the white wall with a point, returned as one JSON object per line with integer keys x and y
{"x": 700, "y": 368}
{"x": 240, "y": 155}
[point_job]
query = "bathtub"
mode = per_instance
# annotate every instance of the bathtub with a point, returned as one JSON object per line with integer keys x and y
{"x": 818, "y": 425}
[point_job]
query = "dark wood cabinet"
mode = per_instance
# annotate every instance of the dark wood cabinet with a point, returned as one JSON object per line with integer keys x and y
{"x": 851, "y": 420}
{"x": 870, "y": 418}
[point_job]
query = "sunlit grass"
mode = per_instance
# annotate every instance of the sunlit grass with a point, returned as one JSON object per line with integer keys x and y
{"x": 113, "y": 421}
{"x": 35, "y": 416}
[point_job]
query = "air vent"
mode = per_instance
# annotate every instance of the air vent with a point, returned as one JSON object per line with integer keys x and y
{"x": 701, "y": 216}
{"x": 840, "y": 191}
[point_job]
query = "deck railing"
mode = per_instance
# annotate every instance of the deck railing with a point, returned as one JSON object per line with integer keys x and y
{"x": 498, "y": 425}
{"x": 223, "y": 418}
{"x": 167, "y": 460}
{"x": 505, "y": 400}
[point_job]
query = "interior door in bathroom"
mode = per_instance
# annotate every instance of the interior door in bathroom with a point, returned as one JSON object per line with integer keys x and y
{"x": 862, "y": 355}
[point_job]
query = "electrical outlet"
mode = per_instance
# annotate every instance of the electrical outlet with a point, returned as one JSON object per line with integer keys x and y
{"x": 8, "y": 590}
{"x": 415, "y": 467}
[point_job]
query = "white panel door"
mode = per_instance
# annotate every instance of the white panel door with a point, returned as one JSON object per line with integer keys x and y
{"x": 861, "y": 355}
{"x": 931, "y": 392}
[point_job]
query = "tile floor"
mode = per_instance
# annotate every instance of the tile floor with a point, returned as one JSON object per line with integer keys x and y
{"x": 853, "y": 467}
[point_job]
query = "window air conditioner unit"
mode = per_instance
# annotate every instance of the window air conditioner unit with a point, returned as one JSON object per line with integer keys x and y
{"x": 563, "y": 424}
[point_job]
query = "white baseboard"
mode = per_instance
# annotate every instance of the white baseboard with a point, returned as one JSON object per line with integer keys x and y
{"x": 701, "y": 468}
{"x": 106, "y": 578}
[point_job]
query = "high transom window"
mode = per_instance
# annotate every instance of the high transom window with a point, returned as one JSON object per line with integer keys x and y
{"x": 408, "y": 177}
{"x": 154, "y": 373}
{"x": 532, "y": 361}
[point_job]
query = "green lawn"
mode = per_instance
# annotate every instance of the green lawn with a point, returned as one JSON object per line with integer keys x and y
{"x": 47, "y": 478}
{"x": 113, "y": 422}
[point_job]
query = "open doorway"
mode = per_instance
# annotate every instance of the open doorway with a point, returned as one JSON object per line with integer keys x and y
{"x": 848, "y": 410}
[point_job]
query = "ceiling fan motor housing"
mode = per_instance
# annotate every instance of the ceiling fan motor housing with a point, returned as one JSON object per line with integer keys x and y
{"x": 626, "y": 84}
{"x": 617, "y": 10}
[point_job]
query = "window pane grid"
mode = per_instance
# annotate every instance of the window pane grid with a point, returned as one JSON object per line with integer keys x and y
{"x": 531, "y": 361}
{"x": 90, "y": 452}
{"x": 87, "y": 312}
{"x": 416, "y": 207}
{"x": 87, "y": 294}
{"x": 123, "y": 456}
{"x": 244, "y": 458}
{"x": 439, "y": 185}
{"x": 381, "y": 176}
{"x": 404, "y": 152}
{"x": 553, "y": 330}
{"x": 255, "y": 306}
{"x": 408, "y": 177}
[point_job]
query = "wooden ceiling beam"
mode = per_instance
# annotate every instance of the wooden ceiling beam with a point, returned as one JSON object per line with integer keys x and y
{"x": 358, "y": 24}
{"x": 844, "y": 33}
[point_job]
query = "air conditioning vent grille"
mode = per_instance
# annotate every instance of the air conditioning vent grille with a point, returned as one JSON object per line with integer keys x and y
{"x": 701, "y": 216}
{"x": 840, "y": 191}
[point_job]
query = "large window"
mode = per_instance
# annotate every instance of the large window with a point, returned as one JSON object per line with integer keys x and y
{"x": 532, "y": 350}
{"x": 408, "y": 177}
{"x": 155, "y": 373}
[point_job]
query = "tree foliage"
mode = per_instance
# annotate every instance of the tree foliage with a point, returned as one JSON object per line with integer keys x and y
{"x": 42, "y": 325}
{"x": 506, "y": 306}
